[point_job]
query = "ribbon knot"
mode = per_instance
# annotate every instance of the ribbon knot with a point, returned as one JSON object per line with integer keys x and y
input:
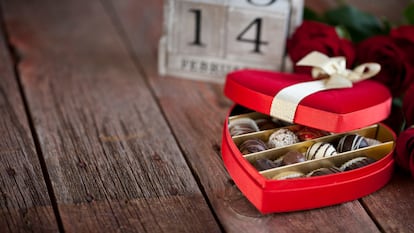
{"x": 331, "y": 73}
{"x": 335, "y": 71}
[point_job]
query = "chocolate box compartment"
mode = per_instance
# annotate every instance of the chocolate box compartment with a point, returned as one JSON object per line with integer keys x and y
{"x": 376, "y": 152}
{"x": 269, "y": 195}
{"x": 273, "y": 153}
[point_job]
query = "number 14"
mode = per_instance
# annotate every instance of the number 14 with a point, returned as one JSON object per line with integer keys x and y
{"x": 256, "y": 25}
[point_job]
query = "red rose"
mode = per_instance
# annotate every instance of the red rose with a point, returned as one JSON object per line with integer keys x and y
{"x": 395, "y": 53}
{"x": 404, "y": 38}
{"x": 383, "y": 50}
{"x": 315, "y": 36}
{"x": 404, "y": 33}
{"x": 404, "y": 150}
{"x": 408, "y": 105}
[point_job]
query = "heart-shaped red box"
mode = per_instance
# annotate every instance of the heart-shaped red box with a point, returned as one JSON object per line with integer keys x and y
{"x": 342, "y": 111}
{"x": 337, "y": 110}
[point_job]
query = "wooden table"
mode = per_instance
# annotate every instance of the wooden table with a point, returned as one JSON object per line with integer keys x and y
{"x": 93, "y": 140}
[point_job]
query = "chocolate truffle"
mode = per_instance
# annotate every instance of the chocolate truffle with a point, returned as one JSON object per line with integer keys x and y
{"x": 242, "y": 126}
{"x": 292, "y": 157}
{"x": 252, "y": 145}
{"x": 323, "y": 171}
{"x": 372, "y": 142}
{"x": 278, "y": 161}
{"x": 307, "y": 133}
{"x": 264, "y": 124}
{"x": 282, "y": 137}
{"x": 356, "y": 163}
{"x": 320, "y": 150}
{"x": 264, "y": 164}
{"x": 288, "y": 175}
{"x": 351, "y": 142}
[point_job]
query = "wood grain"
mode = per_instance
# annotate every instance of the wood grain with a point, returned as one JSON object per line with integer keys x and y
{"x": 25, "y": 205}
{"x": 196, "y": 111}
{"x": 88, "y": 71}
{"x": 113, "y": 162}
{"x": 393, "y": 207}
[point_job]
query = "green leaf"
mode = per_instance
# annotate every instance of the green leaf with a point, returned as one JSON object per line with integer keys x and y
{"x": 360, "y": 25}
{"x": 397, "y": 102}
{"x": 409, "y": 13}
{"x": 342, "y": 32}
{"x": 309, "y": 14}
{"x": 387, "y": 25}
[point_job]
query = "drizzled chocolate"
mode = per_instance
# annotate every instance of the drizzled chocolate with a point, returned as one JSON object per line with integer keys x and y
{"x": 351, "y": 142}
{"x": 252, "y": 145}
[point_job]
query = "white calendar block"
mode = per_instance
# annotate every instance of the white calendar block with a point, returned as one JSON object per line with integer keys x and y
{"x": 296, "y": 15}
{"x": 262, "y": 5}
{"x": 192, "y": 32}
{"x": 257, "y": 37}
{"x": 206, "y": 39}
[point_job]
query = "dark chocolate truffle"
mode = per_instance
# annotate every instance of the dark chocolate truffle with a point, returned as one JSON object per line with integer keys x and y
{"x": 264, "y": 124}
{"x": 292, "y": 157}
{"x": 320, "y": 150}
{"x": 356, "y": 163}
{"x": 351, "y": 142}
{"x": 252, "y": 145}
{"x": 264, "y": 164}
{"x": 323, "y": 171}
{"x": 242, "y": 126}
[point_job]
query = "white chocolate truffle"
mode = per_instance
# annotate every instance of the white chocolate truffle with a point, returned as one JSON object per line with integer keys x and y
{"x": 320, "y": 150}
{"x": 282, "y": 137}
{"x": 288, "y": 175}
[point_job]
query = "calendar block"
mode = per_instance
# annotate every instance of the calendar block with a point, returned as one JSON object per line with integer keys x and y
{"x": 206, "y": 39}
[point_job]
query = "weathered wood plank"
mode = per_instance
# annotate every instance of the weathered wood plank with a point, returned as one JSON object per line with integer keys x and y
{"x": 196, "y": 112}
{"x": 113, "y": 162}
{"x": 25, "y": 205}
{"x": 393, "y": 206}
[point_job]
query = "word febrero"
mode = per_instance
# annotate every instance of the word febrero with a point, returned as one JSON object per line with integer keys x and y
{"x": 207, "y": 67}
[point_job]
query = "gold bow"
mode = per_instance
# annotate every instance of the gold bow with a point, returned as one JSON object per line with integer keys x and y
{"x": 335, "y": 70}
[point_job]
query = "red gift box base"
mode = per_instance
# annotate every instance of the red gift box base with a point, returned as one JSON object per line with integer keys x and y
{"x": 302, "y": 193}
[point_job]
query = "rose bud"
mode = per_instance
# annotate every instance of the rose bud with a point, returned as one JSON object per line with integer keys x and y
{"x": 405, "y": 148}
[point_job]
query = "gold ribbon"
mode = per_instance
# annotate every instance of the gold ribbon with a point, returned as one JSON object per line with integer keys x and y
{"x": 334, "y": 69}
{"x": 331, "y": 73}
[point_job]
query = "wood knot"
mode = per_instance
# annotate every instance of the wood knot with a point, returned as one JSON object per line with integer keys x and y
{"x": 89, "y": 198}
{"x": 156, "y": 157}
{"x": 173, "y": 191}
{"x": 10, "y": 171}
{"x": 81, "y": 164}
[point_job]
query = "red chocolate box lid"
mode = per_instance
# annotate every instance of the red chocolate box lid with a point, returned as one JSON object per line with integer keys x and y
{"x": 335, "y": 110}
